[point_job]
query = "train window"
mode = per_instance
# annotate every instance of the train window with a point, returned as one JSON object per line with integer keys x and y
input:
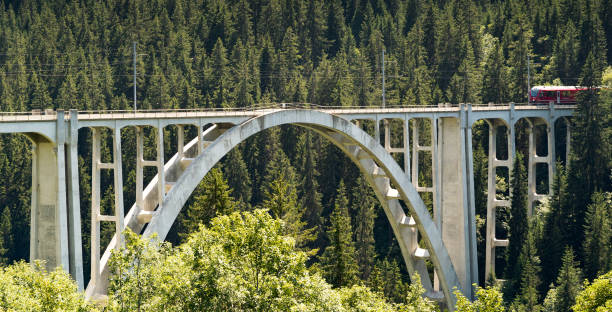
{"x": 565, "y": 94}
{"x": 534, "y": 92}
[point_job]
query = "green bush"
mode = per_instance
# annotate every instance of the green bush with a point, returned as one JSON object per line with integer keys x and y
{"x": 25, "y": 287}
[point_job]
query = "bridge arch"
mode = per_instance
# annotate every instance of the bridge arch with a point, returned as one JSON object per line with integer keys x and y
{"x": 378, "y": 166}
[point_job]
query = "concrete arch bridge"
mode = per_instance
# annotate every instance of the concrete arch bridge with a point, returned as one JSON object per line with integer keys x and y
{"x": 448, "y": 236}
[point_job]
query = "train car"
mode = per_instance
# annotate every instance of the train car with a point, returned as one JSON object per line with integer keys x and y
{"x": 556, "y": 94}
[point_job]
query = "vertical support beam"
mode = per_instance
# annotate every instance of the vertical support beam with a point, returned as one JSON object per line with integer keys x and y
{"x": 387, "y": 135}
{"x": 200, "y": 138}
{"x": 415, "y": 153}
{"x": 491, "y": 190}
{"x": 61, "y": 212}
{"x": 406, "y": 125}
{"x": 139, "y": 168}
{"x": 436, "y": 172}
{"x": 531, "y": 187}
{"x": 35, "y": 210}
{"x": 95, "y": 207}
{"x": 161, "y": 191}
{"x": 118, "y": 175}
{"x": 551, "y": 154}
{"x": 74, "y": 208}
{"x": 180, "y": 137}
{"x": 377, "y": 129}
{"x": 471, "y": 199}
{"x": 436, "y": 187}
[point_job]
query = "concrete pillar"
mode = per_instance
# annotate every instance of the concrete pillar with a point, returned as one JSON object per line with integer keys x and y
{"x": 436, "y": 172}
{"x": 118, "y": 177}
{"x": 200, "y": 138}
{"x": 139, "y": 167}
{"x": 49, "y": 239}
{"x": 415, "y": 153}
{"x": 95, "y": 206}
{"x": 551, "y": 146}
{"x": 96, "y": 216}
{"x": 74, "y": 206}
{"x": 454, "y": 211}
{"x": 531, "y": 168}
{"x": 161, "y": 192}
{"x": 180, "y": 137}
{"x": 551, "y": 153}
{"x": 377, "y": 129}
{"x": 491, "y": 189}
{"x": 387, "y": 135}
{"x": 472, "y": 257}
{"x": 406, "y": 124}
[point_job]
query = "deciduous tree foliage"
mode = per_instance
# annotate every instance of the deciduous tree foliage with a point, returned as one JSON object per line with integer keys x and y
{"x": 240, "y": 262}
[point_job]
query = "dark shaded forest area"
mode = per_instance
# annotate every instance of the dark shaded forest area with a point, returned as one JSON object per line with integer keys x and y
{"x": 238, "y": 53}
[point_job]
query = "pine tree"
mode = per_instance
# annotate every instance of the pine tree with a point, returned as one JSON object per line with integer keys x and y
{"x": 387, "y": 279}
{"x": 335, "y": 26}
{"x": 465, "y": 84}
{"x": 568, "y": 282}
{"x": 215, "y": 200}
{"x": 243, "y": 79}
{"x": 281, "y": 198}
{"x": 243, "y": 23}
{"x": 530, "y": 270}
{"x": 518, "y": 223}
{"x": 598, "y": 235}
{"x": 309, "y": 187}
{"x": 237, "y": 176}
{"x": 558, "y": 218}
{"x": 494, "y": 87}
{"x": 259, "y": 152}
{"x": 362, "y": 207}
{"x": 219, "y": 77}
{"x": 565, "y": 53}
{"x": 6, "y": 236}
{"x": 315, "y": 42}
{"x": 591, "y": 151}
{"x": 338, "y": 260}
{"x": 279, "y": 191}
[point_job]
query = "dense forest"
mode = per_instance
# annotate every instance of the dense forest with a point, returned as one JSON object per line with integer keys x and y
{"x": 238, "y": 53}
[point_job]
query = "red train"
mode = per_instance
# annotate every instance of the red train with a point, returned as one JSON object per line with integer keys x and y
{"x": 557, "y": 94}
